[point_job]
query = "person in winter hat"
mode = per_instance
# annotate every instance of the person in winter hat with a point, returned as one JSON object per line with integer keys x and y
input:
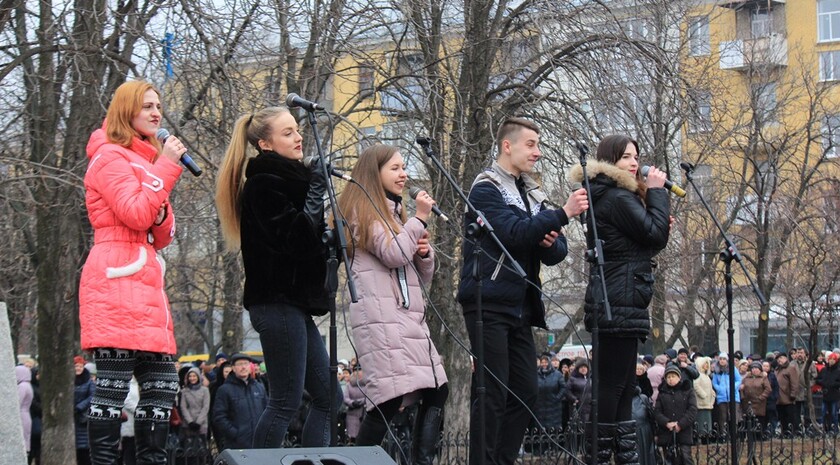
{"x": 755, "y": 390}
{"x": 675, "y": 412}
{"x": 195, "y": 403}
{"x": 829, "y": 379}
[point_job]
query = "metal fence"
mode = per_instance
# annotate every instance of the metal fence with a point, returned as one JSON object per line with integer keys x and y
{"x": 755, "y": 447}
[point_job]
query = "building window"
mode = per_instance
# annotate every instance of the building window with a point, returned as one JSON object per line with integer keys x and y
{"x": 698, "y": 36}
{"x": 828, "y": 19}
{"x": 760, "y": 22}
{"x": 831, "y": 135}
{"x": 765, "y": 101}
{"x": 368, "y": 138}
{"x": 366, "y": 81}
{"x": 700, "y": 119}
{"x": 830, "y": 66}
{"x": 637, "y": 28}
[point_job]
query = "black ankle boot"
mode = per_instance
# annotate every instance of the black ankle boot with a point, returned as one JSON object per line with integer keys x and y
{"x": 426, "y": 435}
{"x": 372, "y": 431}
{"x": 626, "y": 447}
{"x": 104, "y": 439}
{"x": 150, "y": 438}
{"x": 606, "y": 442}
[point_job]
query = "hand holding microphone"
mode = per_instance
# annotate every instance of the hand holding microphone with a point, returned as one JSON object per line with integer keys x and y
{"x": 657, "y": 178}
{"x": 421, "y": 197}
{"x": 174, "y": 150}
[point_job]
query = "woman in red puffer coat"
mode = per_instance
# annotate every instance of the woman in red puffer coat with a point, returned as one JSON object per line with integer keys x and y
{"x": 124, "y": 311}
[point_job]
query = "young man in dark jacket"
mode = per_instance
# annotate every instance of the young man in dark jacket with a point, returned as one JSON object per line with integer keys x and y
{"x": 240, "y": 402}
{"x": 515, "y": 206}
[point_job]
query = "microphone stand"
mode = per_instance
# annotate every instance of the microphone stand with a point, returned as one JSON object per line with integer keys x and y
{"x": 474, "y": 231}
{"x": 727, "y": 255}
{"x": 596, "y": 257}
{"x": 334, "y": 239}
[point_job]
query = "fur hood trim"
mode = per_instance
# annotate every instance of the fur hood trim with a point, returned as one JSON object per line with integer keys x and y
{"x": 623, "y": 178}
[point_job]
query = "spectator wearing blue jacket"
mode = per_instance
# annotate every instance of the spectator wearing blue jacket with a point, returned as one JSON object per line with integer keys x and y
{"x": 239, "y": 403}
{"x": 720, "y": 383}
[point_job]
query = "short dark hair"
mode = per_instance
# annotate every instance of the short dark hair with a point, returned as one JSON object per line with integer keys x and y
{"x": 512, "y": 126}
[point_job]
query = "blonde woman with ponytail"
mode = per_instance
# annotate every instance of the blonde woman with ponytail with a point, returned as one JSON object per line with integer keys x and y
{"x": 271, "y": 208}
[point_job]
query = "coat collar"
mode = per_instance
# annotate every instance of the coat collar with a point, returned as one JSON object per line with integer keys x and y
{"x": 277, "y": 165}
{"x": 622, "y": 178}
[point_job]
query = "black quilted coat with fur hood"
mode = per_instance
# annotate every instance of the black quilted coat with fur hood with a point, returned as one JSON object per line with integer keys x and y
{"x": 633, "y": 232}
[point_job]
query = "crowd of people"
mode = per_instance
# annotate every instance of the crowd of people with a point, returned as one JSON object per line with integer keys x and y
{"x": 683, "y": 397}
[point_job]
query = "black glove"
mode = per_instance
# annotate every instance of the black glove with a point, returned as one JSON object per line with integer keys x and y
{"x": 314, "y": 205}
{"x": 194, "y": 426}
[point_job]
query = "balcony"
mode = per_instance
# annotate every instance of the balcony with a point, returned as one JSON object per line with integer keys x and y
{"x": 761, "y": 52}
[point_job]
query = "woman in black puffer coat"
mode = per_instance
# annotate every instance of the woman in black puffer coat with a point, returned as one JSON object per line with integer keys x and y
{"x": 550, "y": 389}
{"x": 633, "y": 221}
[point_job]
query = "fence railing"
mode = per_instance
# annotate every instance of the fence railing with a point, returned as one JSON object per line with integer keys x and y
{"x": 809, "y": 446}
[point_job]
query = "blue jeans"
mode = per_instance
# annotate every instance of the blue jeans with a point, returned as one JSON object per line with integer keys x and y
{"x": 295, "y": 358}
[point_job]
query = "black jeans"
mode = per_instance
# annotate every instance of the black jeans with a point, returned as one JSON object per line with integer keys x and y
{"x": 617, "y": 378}
{"x": 295, "y": 358}
{"x": 509, "y": 354}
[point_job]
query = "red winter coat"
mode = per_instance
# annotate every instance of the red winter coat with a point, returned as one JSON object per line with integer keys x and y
{"x": 121, "y": 294}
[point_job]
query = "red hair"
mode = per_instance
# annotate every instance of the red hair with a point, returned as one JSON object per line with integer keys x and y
{"x": 126, "y": 104}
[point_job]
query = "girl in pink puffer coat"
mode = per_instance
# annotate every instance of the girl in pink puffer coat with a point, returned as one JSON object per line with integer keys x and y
{"x": 391, "y": 260}
{"x": 124, "y": 311}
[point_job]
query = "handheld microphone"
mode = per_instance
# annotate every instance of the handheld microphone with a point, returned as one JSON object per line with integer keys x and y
{"x": 416, "y": 190}
{"x": 162, "y": 135}
{"x": 295, "y": 100}
{"x": 308, "y": 161}
{"x": 675, "y": 189}
{"x": 582, "y": 216}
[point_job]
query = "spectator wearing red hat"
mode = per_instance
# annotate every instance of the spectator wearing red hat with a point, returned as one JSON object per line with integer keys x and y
{"x": 829, "y": 379}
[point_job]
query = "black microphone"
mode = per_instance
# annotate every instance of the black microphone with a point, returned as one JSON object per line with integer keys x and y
{"x": 308, "y": 161}
{"x": 416, "y": 190}
{"x": 295, "y": 100}
{"x": 675, "y": 189}
{"x": 162, "y": 135}
{"x": 582, "y": 216}
{"x": 423, "y": 140}
{"x": 686, "y": 166}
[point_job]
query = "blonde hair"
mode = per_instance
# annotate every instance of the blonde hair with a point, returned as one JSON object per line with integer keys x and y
{"x": 249, "y": 129}
{"x": 126, "y": 104}
{"x": 353, "y": 202}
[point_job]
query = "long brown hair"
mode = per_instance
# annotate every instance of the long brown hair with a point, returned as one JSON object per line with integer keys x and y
{"x": 249, "y": 129}
{"x": 356, "y": 206}
{"x": 126, "y": 104}
{"x": 612, "y": 148}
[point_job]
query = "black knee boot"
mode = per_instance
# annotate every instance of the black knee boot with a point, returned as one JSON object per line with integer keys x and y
{"x": 426, "y": 435}
{"x": 104, "y": 438}
{"x": 606, "y": 434}
{"x": 150, "y": 438}
{"x": 626, "y": 448}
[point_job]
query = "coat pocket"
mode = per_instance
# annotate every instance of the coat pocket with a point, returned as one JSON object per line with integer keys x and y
{"x": 642, "y": 289}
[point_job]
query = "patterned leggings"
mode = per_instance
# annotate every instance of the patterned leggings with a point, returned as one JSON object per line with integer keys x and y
{"x": 156, "y": 377}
